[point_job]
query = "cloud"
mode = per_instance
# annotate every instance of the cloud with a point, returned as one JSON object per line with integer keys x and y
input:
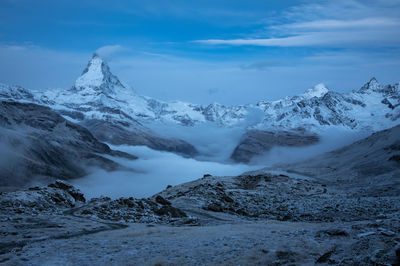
{"x": 107, "y": 51}
{"x": 340, "y": 25}
{"x": 322, "y": 39}
{"x": 344, "y": 24}
{"x": 154, "y": 171}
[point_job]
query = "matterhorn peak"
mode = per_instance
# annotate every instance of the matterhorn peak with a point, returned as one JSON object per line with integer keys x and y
{"x": 97, "y": 75}
{"x": 371, "y": 85}
{"x": 318, "y": 91}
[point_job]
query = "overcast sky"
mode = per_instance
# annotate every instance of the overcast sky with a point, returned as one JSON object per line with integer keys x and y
{"x": 232, "y": 52}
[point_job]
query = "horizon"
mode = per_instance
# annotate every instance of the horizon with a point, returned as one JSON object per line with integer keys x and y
{"x": 205, "y": 104}
{"x": 233, "y": 54}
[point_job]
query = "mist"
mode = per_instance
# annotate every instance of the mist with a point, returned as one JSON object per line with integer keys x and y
{"x": 214, "y": 143}
{"x": 155, "y": 170}
{"x": 330, "y": 139}
{"x": 151, "y": 173}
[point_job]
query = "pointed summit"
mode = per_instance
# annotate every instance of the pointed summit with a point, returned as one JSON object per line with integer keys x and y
{"x": 97, "y": 75}
{"x": 371, "y": 85}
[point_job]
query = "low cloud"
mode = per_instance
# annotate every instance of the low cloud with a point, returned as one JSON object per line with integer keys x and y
{"x": 107, "y": 51}
{"x": 155, "y": 170}
{"x": 330, "y": 139}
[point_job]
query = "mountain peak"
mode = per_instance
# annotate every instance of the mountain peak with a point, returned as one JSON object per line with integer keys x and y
{"x": 97, "y": 75}
{"x": 371, "y": 85}
{"x": 318, "y": 91}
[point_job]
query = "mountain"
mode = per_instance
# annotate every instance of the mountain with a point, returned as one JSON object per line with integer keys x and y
{"x": 100, "y": 95}
{"x": 110, "y": 110}
{"x": 373, "y": 107}
{"x": 257, "y": 142}
{"x": 115, "y": 113}
{"x": 36, "y": 142}
{"x": 15, "y": 93}
{"x": 370, "y": 166}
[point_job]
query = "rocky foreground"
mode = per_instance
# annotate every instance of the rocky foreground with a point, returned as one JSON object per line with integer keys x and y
{"x": 260, "y": 218}
{"x": 340, "y": 208}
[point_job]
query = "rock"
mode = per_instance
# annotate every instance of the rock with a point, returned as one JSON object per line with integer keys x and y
{"x": 395, "y": 158}
{"x": 162, "y": 201}
{"x": 257, "y": 142}
{"x": 333, "y": 232}
{"x": 366, "y": 234}
{"x": 325, "y": 257}
{"x": 397, "y": 252}
{"x": 170, "y": 211}
{"x": 215, "y": 207}
{"x": 75, "y": 193}
{"x": 386, "y": 232}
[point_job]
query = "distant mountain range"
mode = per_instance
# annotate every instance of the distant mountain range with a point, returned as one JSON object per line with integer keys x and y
{"x": 115, "y": 113}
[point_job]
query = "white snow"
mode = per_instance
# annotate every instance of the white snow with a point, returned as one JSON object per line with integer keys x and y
{"x": 318, "y": 91}
{"x": 99, "y": 94}
{"x": 94, "y": 75}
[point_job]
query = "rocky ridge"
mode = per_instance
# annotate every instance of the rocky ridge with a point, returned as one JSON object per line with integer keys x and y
{"x": 39, "y": 143}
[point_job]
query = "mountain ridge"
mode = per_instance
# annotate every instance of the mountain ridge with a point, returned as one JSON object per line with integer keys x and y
{"x": 315, "y": 108}
{"x": 116, "y": 114}
{"x": 98, "y": 94}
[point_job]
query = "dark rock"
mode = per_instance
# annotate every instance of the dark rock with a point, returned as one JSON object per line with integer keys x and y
{"x": 170, "y": 211}
{"x": 162, "y": 201}
{"x": 333, "y": 232}
{"x": 257, "y": 142}
{"x": 215, "y": 207}
{"x": 75, "y": 193}
{"x": 325, "y": 257}
{"x": 395, "y": 158}
{"x": 227, "y": 199}
{"x": 397, "y": 252}
{"x": 87, "y": 212}
{"x": 250, "y": 182}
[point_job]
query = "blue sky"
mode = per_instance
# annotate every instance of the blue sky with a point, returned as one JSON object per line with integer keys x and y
{"x": 232, "y": 52}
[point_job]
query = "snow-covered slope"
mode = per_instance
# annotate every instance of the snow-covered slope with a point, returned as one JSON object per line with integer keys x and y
{"x": 373, "y": 107}
{"x": 98, "y": 94}
{"x": 15, "y": 93}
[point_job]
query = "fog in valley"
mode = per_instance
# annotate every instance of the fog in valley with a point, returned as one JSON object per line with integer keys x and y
{"x": 155, "y": 170}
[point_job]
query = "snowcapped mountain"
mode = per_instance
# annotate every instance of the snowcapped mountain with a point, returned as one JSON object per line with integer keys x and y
{"x": 15, "y": 93}
{"x": 98, "y": 94}
{"x": 372, "y": 107}
{"x": 115, "y": 113}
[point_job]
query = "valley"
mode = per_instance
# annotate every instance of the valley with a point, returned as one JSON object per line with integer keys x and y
{"x": 99, "y": 174}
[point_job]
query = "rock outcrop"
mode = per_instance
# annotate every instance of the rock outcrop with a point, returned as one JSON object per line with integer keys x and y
{"x": 258, "y": 142}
